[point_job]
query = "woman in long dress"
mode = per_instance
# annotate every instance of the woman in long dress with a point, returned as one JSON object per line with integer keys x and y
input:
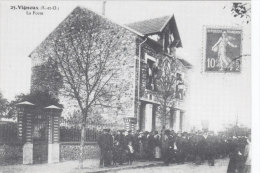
{"x": 235, "y": 156}
{"x": 221, "y": 48}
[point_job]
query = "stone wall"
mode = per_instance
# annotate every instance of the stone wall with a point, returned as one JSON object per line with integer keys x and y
{"x": 44, "y": 77}
{"x": 11, "y": 154}
{"x": 71, "y": 150}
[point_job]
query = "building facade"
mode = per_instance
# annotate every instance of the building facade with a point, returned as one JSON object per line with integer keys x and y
{"x": 142, "y": 47}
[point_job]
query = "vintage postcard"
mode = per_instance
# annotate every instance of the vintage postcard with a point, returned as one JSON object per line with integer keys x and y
{"x": 126, "y": 86}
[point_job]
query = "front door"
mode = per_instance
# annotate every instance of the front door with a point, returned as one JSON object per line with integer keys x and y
{"x": 40, "y": 138}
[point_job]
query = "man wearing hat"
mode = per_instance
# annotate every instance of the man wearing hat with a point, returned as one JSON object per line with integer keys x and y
{"x": 180, "y": 148}
{"x": 211, "y": 148}
{"x": 121, "y": 146}
{"x": 129, "y": 137}
{"x": 200, "y": 147}
{"x": 166, "y": 147}
{"x": 105, "y": 142}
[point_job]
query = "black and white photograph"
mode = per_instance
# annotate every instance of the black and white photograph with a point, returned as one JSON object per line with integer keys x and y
{"x": 127, "y": 87}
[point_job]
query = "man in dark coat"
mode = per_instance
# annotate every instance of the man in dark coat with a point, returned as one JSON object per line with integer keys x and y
{"x": 186, "y": 146}
{"x": 192, "y": 144}
{"x": 232, "y": 149}
{"x": 129, "y": 137}
{"x": 235, "y": 155}
{"x": 173, "y": 148}
{"x": 166, "y": 147}
{"x": 141, "y": 145}
{"x": 180, "y": 149}
{"x": 150, "y": 146}
{"x": 136, "y": 141}
{"x": 200, "y": 146}
{"x": 105, "y": 142}
{"x": 122, "y": 147}
{"x": 211, "y": 148}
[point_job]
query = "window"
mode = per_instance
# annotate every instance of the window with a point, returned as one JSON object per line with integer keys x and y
{"x": 180, "y": 87}
{"x": 152, "y": 71}
{"x": 155, "y": 37}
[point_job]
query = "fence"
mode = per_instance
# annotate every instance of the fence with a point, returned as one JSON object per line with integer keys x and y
{"x": 73, "y": 133}
{"x": 8, "y": 133}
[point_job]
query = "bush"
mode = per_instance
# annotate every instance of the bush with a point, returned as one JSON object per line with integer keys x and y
{"x": 11, "y": 154}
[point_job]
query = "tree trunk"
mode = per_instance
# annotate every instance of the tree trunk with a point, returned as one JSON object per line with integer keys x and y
{"x": 82, "y": 142}
{"x": 164, "y": 114}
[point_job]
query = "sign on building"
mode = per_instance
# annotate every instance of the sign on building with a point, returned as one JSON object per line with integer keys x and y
{"x": 223, "y": 50}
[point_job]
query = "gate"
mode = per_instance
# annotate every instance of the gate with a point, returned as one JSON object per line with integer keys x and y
{"x": 40, "y": 138}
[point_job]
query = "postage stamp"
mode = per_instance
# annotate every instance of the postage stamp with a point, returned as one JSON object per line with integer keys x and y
{"x": 223, "y": 50}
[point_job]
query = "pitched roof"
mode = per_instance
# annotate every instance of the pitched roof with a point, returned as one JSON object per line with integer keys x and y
{"x": 52, "y": 107}
{"x": 185, "y": 63}
{"x": 83, "y": 9}
{"x": 150, "y": 26}
{"x": 25, "y": 103}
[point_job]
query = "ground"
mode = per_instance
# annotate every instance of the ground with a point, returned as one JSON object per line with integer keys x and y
{"x": 92, "y": 166}
{"x": 220, "y": 167}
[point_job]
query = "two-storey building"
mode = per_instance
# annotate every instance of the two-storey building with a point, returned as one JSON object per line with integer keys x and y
{"x": 144, "y": 44}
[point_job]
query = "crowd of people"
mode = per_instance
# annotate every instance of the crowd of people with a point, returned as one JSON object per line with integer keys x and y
{"x": 170, "y": 147}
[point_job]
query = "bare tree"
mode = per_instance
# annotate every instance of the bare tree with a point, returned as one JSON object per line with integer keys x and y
{"x": 87, "y": 51}
{"x": 166, "y": 83}
{"x": 3, "y": 106}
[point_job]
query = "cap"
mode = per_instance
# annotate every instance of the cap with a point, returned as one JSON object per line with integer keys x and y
{"x": 106, "y": 130}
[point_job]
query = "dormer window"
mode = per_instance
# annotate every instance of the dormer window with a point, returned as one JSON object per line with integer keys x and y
{"x": 171, "y": 38}
{"x": 171, "y": 44}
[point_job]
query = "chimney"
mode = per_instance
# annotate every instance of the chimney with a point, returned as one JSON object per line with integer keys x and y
{"x": 104, "y": 7}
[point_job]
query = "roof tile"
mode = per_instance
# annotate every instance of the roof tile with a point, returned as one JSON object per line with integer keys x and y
{"x": 150, "y": 26}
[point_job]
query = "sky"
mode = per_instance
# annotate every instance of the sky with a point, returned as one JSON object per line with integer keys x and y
{"x": 216, "y": 98}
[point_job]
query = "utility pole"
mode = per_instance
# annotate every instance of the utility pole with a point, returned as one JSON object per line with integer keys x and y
{"x": 237, "y": 120}
{"x": 104, "y": 7}
{"x": 236, "y": 127}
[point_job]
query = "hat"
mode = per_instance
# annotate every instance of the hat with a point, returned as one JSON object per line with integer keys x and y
{"x": 167, "y": 131}
{"x": 122, "y": 131}
{"x": 185, "y": 133}
{"x": 106, "y": 130}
